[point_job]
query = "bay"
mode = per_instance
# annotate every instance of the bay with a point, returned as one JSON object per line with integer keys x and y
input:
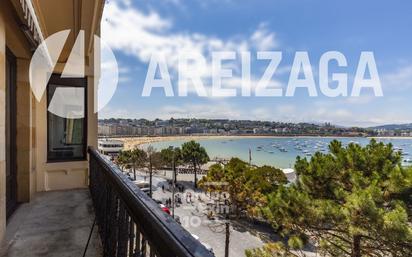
{"x": 280, "y": 152}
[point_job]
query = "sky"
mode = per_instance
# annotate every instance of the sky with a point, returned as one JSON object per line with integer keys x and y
{"x": 136, "y": 29}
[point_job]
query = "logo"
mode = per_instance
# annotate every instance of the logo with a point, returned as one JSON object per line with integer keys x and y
{"x": 68, "y": 102}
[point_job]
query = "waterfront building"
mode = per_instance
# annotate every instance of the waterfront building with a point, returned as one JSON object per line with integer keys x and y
{"x": 111, "y": 148}
{"x": 53, "y": 181}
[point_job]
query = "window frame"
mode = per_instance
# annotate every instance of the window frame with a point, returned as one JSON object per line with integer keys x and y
{"x": 56, "y": 79}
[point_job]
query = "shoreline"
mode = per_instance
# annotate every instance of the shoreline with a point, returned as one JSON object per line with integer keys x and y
{"x": 133, "y": 141}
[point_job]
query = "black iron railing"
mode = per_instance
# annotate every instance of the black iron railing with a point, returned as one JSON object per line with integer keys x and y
{"x": 129, "y": 222}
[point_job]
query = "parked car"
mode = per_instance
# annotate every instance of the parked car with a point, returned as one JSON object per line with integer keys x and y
{"x": 162, "y": 206}
{"x": 143, "y": 185}
{"x": 146, "y": 190}
{"x": 165, "y": 209}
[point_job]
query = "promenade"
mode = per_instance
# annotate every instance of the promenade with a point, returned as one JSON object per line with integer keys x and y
{"x": 193, "y": 217}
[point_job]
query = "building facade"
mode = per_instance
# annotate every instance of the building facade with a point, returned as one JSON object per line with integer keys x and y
{"x": 40, "y": 151}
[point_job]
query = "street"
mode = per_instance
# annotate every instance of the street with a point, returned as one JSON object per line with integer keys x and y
{"x": 194, "y": 219}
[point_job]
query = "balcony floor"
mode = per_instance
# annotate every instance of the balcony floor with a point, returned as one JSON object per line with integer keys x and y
{"x": 53, "y": 224}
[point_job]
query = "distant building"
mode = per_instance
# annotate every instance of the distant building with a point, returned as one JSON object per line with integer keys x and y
{"x": 142, "y": 127}
{"x": 290, "y": 174}
{"x": 110, "y": 147}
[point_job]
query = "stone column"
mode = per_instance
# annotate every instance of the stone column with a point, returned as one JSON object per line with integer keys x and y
{"x": 23, "y": 135}
{"x": 2, "y": 127}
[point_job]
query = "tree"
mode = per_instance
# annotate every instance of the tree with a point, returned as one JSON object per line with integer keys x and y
{"x": 134, "y": 158}
{"x": 137, "y": 159}
{"x": 152, "y": 162}
{"x": 266, "y": 178}
{"x": 241, "y": 194}
{"x": 172, "y": 157}
{"x": 261, "y": 181}
{"x": 195, "y": 155}
{"x": 247, "y": 185}
{"x": 123, "y": 159}
{"x": 276, "y": 250}
{"x": 352, "y": 202}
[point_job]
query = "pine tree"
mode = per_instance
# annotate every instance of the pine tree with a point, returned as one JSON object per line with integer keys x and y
{"x": 194, "y": 154}
{"x": 353, "y": 201}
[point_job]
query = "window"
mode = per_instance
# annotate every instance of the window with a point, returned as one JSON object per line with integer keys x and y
{"x": 66, "y": 119}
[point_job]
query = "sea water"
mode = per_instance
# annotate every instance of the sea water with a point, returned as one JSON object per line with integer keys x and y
{"x": 280, "y": 152}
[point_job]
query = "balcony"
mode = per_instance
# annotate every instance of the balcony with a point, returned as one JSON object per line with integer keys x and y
{"x": 128, "y": 222}
{"x": 53, "y": 224}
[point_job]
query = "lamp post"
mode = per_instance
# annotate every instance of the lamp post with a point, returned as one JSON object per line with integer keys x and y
{"x": 227, "y": 240}
{"x": 151, "y": 175}
{"x": 223, "y": 227}
{"x": 174, "y": 183}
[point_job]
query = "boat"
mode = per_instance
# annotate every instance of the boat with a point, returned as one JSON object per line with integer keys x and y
{"x": 407, "y": 160}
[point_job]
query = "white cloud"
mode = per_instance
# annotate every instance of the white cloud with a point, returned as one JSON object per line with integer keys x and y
{"x": 175, "y": 2}
{"x": 142, "y": 34}
{"x": 110, "y": 112}
{"x": 292, "y": 113}
{"x": 285, "y": 113}
{"x": 400, "y": 79}
{"x": 362, "y": 100}
{"x": 263, "y": 39}
{"x": 261, "y": 114}
{"x": 206, "y": 111}
{"x": 125, "y": 73}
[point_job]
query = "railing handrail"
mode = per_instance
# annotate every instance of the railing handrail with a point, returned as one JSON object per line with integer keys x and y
{"x": 156, "y": 224}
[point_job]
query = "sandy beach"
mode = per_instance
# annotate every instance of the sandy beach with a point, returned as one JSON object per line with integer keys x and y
{"x": 132, "y": 142}
{"x": 391, "y": 137}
